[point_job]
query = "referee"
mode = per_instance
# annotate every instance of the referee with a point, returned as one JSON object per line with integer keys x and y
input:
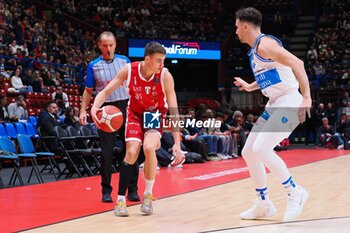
{"x": 99, "y": 73}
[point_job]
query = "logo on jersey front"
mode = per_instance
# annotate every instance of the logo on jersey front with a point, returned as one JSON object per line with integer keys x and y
{"x": 284, "y": 120}
{"x": 253, "y": 64}
{"x": 151, "y": 120}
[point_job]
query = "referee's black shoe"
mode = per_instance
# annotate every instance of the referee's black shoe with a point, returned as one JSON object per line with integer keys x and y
{"x": 106, "y": 198}
{"x": 133, "y": 196}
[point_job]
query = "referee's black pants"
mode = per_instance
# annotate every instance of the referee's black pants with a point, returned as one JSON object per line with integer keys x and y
{"x": 108, "y": 142}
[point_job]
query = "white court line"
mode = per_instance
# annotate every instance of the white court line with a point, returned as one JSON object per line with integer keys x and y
{"x": 218, "y": 174}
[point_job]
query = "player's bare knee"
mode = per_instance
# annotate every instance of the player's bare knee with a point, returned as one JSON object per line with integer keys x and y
{"x": 131, "y": 156}
{"x": 149, "y": 149}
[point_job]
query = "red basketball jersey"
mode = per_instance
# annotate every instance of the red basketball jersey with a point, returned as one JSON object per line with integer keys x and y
{"x": 146, "y": 95}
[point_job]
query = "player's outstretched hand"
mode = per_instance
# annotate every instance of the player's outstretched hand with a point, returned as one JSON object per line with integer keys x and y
{"x": 243, "y": 85}
{"x": 304, "y": 109}
{"x": 178, "y": 156}
{"x": 94, "y": 112}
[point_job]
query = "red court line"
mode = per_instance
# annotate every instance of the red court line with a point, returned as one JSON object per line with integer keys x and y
{"x": 37, "y": 205}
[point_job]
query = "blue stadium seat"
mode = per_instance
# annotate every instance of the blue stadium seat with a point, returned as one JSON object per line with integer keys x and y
{"x": 33, "y": 119}
{"x": 20, "y": 128}
{"x": 3, "y": 130}
{"x": 11, "y": 130}
{"x": 31, "y": 130}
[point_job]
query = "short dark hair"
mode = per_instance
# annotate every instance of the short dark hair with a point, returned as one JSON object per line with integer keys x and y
{"x": 20, "y": 97}
{"x": 50, "y": 102}
{"x": 154, "y": 47}
{"x": 250, "y": 15}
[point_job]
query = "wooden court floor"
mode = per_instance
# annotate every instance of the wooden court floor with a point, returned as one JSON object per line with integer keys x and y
{"x": 216, "y": 209}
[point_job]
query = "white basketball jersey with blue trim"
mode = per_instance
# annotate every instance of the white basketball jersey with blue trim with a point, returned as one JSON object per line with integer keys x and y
{"x": 273, "y": 78}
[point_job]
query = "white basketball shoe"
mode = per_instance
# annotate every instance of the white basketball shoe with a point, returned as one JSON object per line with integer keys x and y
{"x": 261, "y": 209}
{"x": 295, "y": 204}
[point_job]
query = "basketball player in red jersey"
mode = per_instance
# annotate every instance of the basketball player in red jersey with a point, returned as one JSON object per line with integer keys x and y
{"x": 151, "y": 89}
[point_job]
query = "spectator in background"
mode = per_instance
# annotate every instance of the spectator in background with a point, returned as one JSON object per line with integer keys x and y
{"x": 4, "y": 115}
{"x": 27, "y": 78}
{"x": 236, "y": 128}
{"x": 346, "y": 110}
{"x": 330, "y": 113}
{"x": 16, "y": 83}
{"x": 344, "y": 130}
{"x": 47, "y": 120}
{"x": 194, "y": 144}
{"x": 17, "y": 110}
{"x": 248, "y": 124}
{"x": 231, "y": 147}
{"x": 76, "y": 113}
{"x": 3, "y": 72}
{"x": 320, "y": 113}
{"x": 70, "y": 119}
{"x": 61, "y": 99}
{"x": 312, "y": 53}
{"x": 346, "y": 99}
{"x": 327, "y": 133}
{"x": 38, "y": 85}
{"x": 210, "y": 140}
{"x": 13, "y": 47}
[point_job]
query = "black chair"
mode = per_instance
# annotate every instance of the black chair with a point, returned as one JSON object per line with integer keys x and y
{"x": 95, "y": 142}
{"x": 44, "y": 143}
{"x": 82, "y": 143}
{"x": 75, "y": 155}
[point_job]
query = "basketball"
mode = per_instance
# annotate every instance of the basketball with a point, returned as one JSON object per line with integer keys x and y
{"x": 111, "y": 118}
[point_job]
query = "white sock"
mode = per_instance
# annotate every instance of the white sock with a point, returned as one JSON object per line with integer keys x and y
{"x": 149, "y": 186}
{"x": 262, "y": 194}
{"x": 121, "y": 198}
{"x": 289, "y": 185}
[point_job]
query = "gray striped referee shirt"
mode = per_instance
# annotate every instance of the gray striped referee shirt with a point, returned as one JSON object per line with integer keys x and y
{"x": 100, "y": 72}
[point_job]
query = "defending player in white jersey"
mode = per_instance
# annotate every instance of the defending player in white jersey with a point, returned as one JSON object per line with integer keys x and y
{"x": 278, "y": 74}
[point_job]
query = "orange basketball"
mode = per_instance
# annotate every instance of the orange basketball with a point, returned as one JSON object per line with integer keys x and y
{"x": 111, "y": 118}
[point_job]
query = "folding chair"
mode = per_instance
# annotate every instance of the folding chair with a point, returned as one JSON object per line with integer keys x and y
{"x": 71, "y": 152}
{"x": 26, "y": 146}
{"x": 81, "y": 143}
{"x": 14, "y": 159}
{"x": 7, "y": 145}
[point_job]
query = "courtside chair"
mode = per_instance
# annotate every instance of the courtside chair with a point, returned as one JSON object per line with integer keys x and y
{"x": 81, "y": 143}
{"x": 26, "y": 146}
{"x": 95, "y": 142}
{"x": 7, "y": 145}
{"x": 69, "y": 151}
{"x": 16, "y": 174}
